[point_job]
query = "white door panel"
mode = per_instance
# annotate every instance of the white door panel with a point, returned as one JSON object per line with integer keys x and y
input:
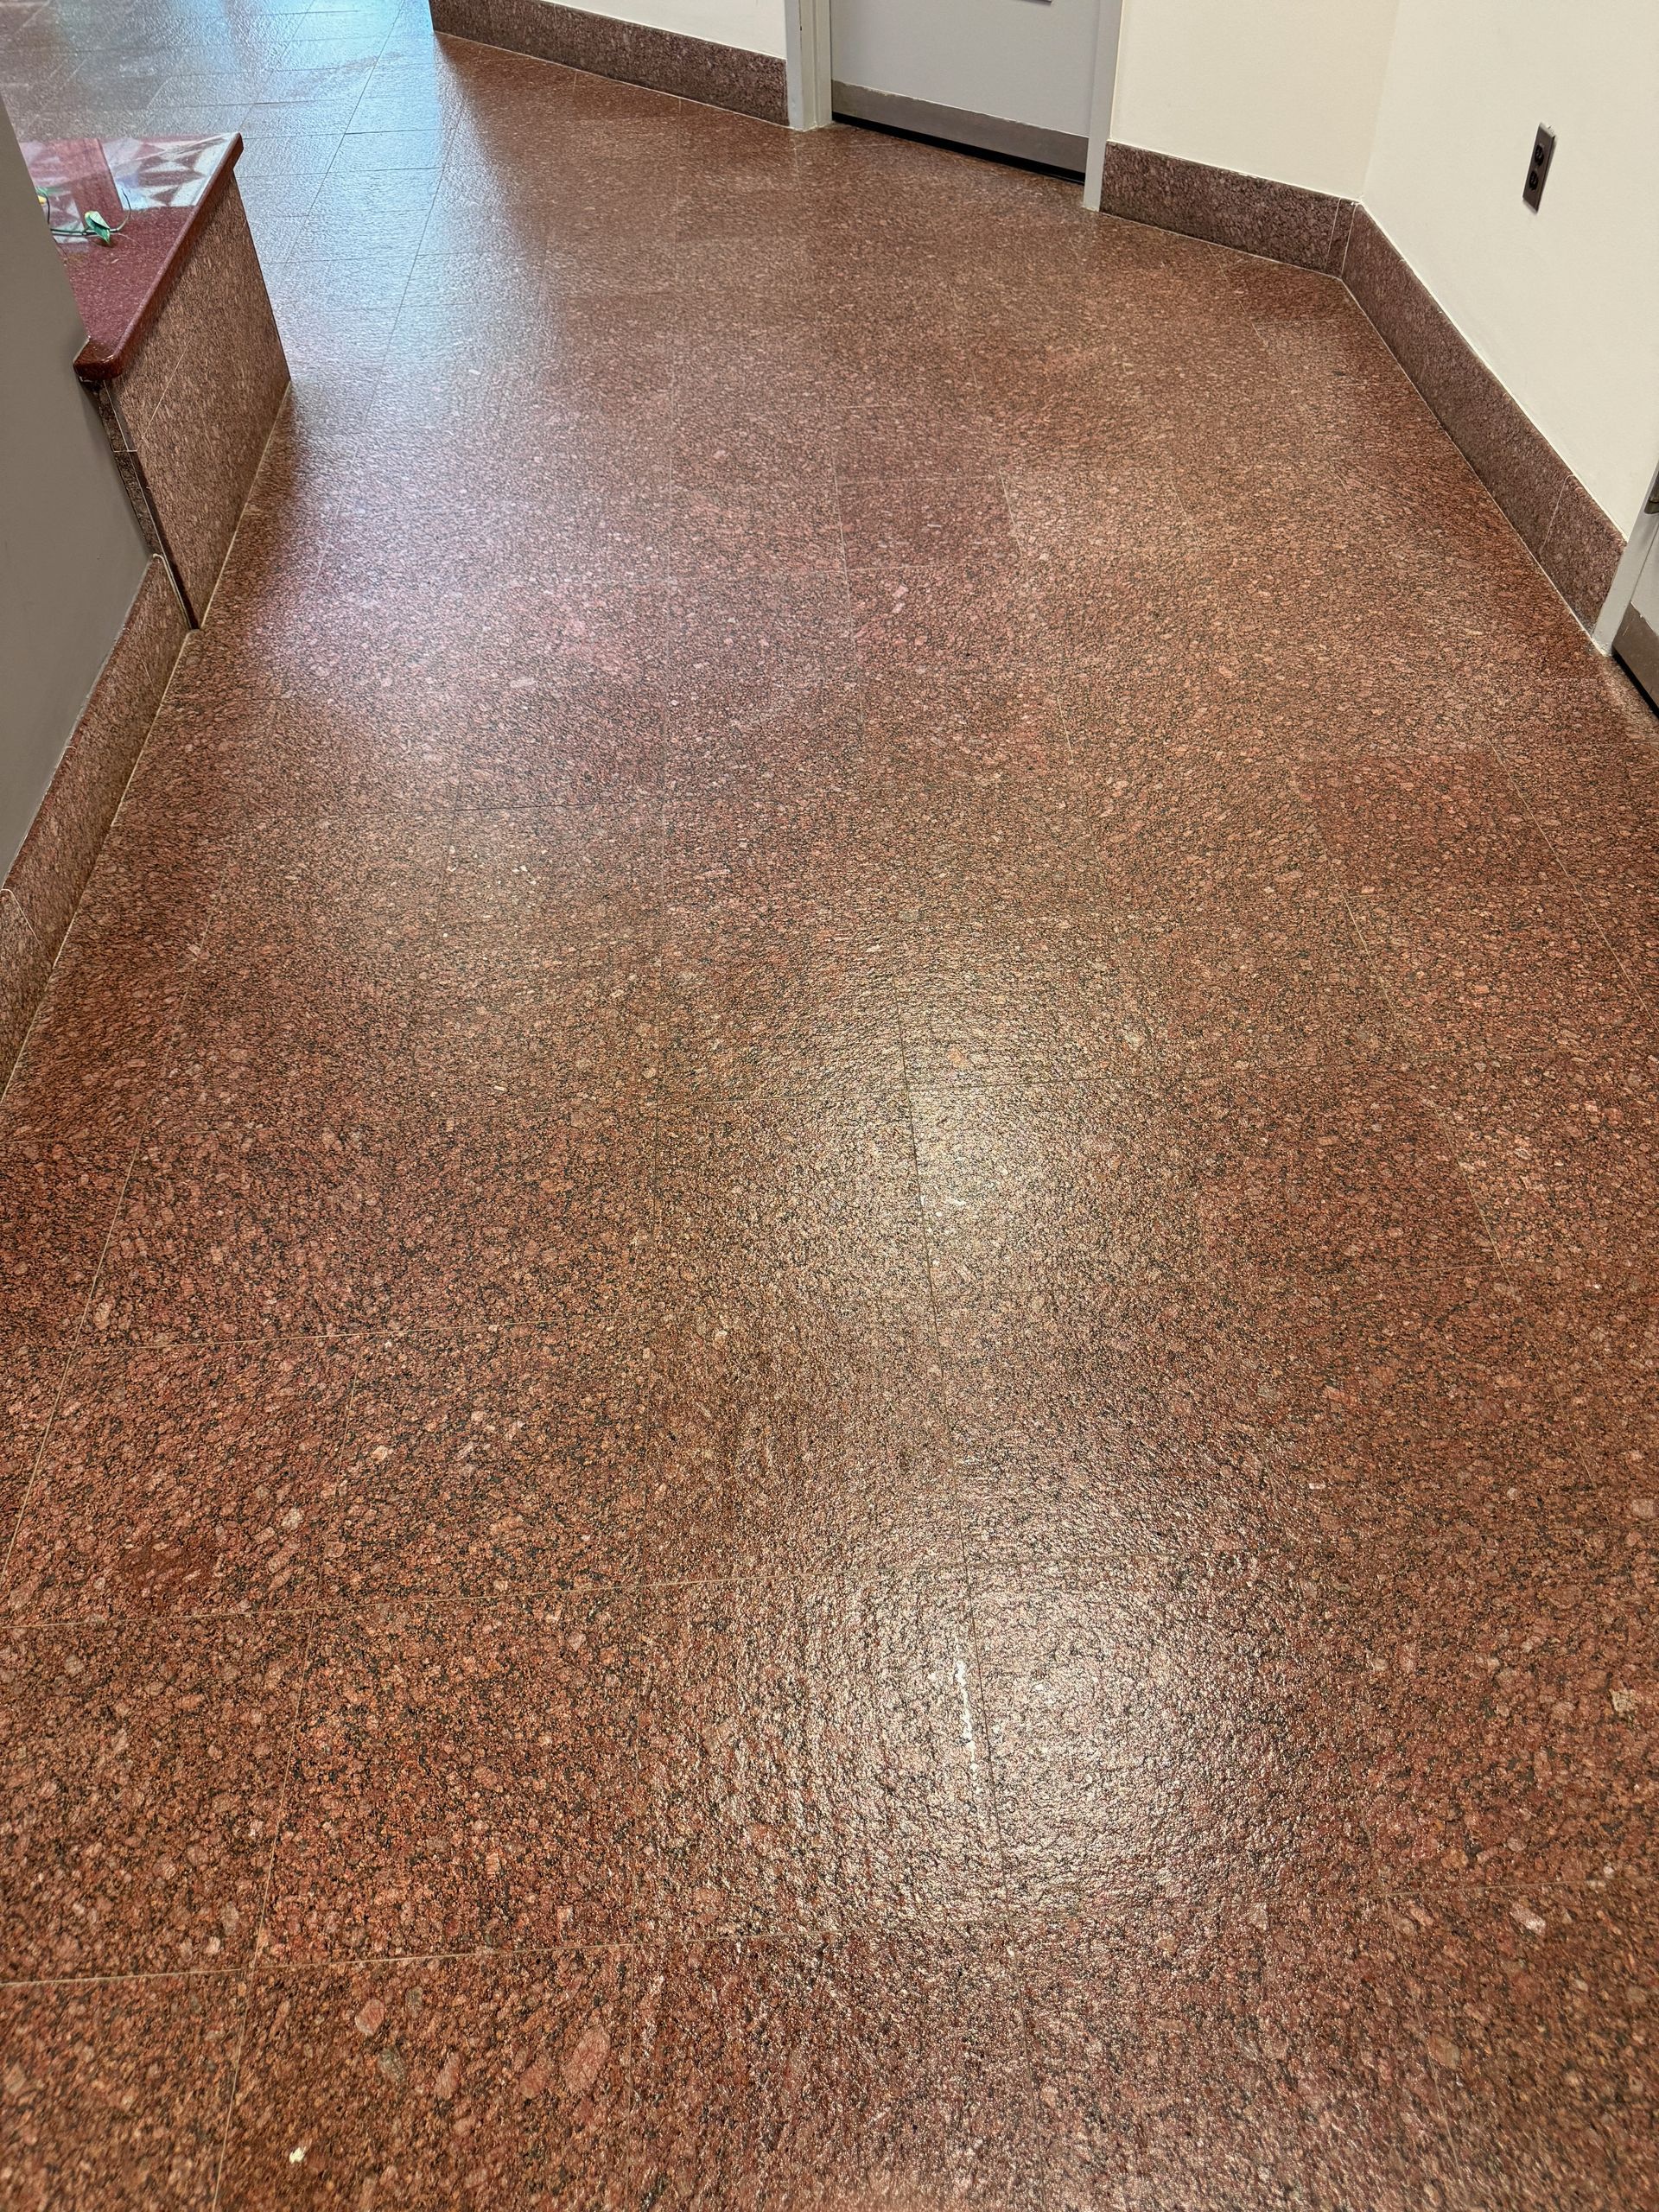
{"x": 1027, "y": 62}
{"x": 1637, "y": 642}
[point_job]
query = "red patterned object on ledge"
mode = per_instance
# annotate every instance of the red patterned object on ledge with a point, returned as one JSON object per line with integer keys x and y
{"x": 159, "y": 192}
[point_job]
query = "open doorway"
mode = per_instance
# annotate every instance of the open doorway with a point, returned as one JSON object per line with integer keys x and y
{"x": 1630, "y": 621}
{"x": 1636, "y": 641}
{"x": 1013, "y": 77}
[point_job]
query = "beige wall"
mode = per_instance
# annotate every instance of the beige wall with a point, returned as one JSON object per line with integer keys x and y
{"x": 1425, "y": 111}
{"x": 71, "y": 557}
{"x": 755, "y": 25}
{"x": 1562, "y": 305}
{"x": 1286, "y": 89}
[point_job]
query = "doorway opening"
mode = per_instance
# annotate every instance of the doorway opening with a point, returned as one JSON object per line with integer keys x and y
{"x": 1014, "y": 77}
{"x": 1069, "y": 175}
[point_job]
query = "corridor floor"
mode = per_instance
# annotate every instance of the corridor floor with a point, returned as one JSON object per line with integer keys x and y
{"x": 830, "y": 1261}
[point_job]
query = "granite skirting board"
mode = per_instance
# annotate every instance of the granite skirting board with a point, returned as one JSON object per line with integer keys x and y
{"x": 48, "y": 876}
{"x": 1281, "y": 222}
{"x": 665, "y": 62}
{"x": 189, "y": 416}
{"x": 1573, "y": 540}
{"x": 1566, "y": 533}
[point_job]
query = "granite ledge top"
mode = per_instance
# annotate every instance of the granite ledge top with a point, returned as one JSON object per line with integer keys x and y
{"x": 160, "y": 192}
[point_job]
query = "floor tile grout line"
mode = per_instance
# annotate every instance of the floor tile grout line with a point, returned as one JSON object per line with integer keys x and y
{"x": 1299, "y": 803}
{"x": 1504, "y": 1267}
{"x": 204, "y": 1976}
{"x": 75, "y": 1342}
{"x": 971, "y": 1592}
{"x": 279, "y": 1814}
{"x": 905, "y": 1080}
{"x": 1568, "y": 879}
{"x": 1646, "y": 997}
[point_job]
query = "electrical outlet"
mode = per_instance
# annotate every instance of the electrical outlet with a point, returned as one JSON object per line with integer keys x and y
{"x": 1543, "y": 153}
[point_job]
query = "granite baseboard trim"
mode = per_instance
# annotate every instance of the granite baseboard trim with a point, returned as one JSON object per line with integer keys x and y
{"x": 1281, "y": 222}
{"x": 49, "y": 875}
{"x": 1575, "y": 544}
{"x": 639, "y": 54}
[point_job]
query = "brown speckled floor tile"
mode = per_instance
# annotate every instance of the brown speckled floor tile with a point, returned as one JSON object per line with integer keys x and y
{"x": 1601, "y": 1334}
{"x": 502, "y": 2077}
{"x": 1008, "y": 1001}
{"x": 495, "y": 1014}
{"x": 789, "y": 1424}
{"x": 117, "y": 2092}
{"x": 1562, "y": 1150}
{"x": 1037, "y": 1196}
{"x": 1071, "y": 515}
{"x": 1314, "y": 1173}
{"x": 464, "y": 1779}
{"x": 757, "y": 1183}
{"x": 264, "y": 1222}
{"x": 144, "y": 1768}
{"x": 816, "y": 1757}
{"x": 489, "y": 1469}
{"x": 1421, "y": 1410}
{"x": 768, "y": 989}
{"x": 977, "y": 617}
{"x": 830, "y": 1259}
{"x": 912, "y": 521}
{"x": 57, "y": 1202}
{"x": 577, "y": 876}
{"x": 735, "y": 530}
{"x": 1527, "y": 1995}
{"x": 1278, "y": 980}
{"x": 759, "y": 647}
{"x": 182, "y": 1481}
{"x": 885, "y": 2068}
{"x": 33, "y": 1377}
{"x": 100, "y": 1037}
{"x": 1184, "y": 2058}
{"x": 516, "y": 1211}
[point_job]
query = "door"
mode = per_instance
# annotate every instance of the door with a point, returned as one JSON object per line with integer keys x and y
{"x": 1637, "y": 642}
{"x": 1012, "y": 76}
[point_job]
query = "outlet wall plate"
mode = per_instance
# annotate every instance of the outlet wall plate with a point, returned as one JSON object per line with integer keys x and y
{"x": 1543, "y": 153}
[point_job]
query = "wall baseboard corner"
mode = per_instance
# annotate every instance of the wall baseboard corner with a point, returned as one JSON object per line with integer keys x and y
{"x": 636, "y": 54}
{"x": 1255, "y": 214}
{"x": 1577, "y": 546}
{"x": 50, "y": 873}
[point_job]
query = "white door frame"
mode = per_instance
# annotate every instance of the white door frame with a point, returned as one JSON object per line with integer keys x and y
{"x": 1106, "y": 41}
{"x": 806, "y": 45}
{"x": 1631, "y": 563}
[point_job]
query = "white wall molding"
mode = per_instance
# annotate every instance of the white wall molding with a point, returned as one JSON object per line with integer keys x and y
{"x": 1108, "y": 39}
{"x": 806, "y": 48}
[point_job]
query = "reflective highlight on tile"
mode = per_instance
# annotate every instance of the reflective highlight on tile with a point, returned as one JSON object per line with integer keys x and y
{"x": 831, "y": 1292}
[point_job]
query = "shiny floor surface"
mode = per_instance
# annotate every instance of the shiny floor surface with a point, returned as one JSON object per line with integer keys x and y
{"x": 830, "y": 1260}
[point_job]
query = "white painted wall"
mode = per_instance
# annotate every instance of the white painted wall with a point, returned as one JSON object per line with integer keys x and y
{"x": 1425, "y": 111}
{"x": 1562, "y": 305}
{"x": 71, "y": 557}
{"x": 755, "y": 25}
{"x": 1286, "y": 89}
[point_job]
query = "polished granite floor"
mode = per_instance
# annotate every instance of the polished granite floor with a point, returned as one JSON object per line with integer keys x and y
{"x": 831, "y": 1264}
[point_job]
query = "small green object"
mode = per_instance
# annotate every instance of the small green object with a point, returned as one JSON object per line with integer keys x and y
{"x": 91, "y": 225}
